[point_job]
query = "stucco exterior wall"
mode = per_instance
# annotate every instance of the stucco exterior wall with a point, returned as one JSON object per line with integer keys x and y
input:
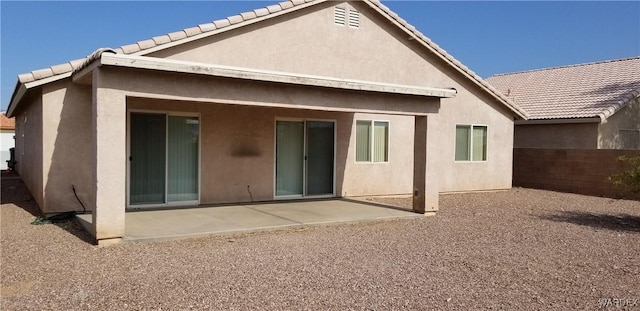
{"x": 123, "y": 85}
{"x": 470, "y": 107}
{"x": 66, "y": 146}
{"x": 237, "y": 150}
{"x": 557, "y": 136}
{"x": 361, "y": 56}
{"x": 29, "y": 139}
{"x": 376, "y": 51}
{"x": 381, "y": 178}
{"x": 627, "y": 118}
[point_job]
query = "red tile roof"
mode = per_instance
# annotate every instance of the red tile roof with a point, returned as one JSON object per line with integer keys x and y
{"x": 578, "y": 91}
{"x": 7, "y": 123}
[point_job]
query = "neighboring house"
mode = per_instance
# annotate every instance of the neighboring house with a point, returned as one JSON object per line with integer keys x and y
{"x": 585, "y": 106}
{"x": 581, "y": 118}
{"x": 296, "y": 100}
{"x": 7, "y": 132}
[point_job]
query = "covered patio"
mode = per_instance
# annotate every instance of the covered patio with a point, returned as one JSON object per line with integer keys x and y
{"x": 122, "y": 85}
{"x": 182, "y": 223}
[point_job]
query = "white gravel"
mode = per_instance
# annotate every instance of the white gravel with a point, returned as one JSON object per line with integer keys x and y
{"x": 518, "y": 249}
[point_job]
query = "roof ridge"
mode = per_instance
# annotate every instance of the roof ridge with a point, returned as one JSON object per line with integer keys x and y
{"x": 566, "y": 66}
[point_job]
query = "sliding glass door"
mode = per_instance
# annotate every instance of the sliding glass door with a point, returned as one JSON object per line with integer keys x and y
{"x": 147, "y": 158}
{"x": 164, "y": 157}
{"x": 289, "y": 158}
{"x": 319, "y": 168}
{"x": 304, "y": 158}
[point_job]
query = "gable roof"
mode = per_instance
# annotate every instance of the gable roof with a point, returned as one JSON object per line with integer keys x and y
{"x": 588, "y": 90}
{"x": 39, "y": 77}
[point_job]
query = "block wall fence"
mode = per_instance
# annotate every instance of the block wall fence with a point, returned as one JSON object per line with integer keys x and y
{"x": 583, "y": 171}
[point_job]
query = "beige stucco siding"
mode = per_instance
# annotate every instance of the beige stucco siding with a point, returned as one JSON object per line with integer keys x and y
{"x": 361, "y": 56}
{"x": 472, "y": 107}
{"x": 627, "y": 118}
{"x": 29, "y": 146}
{"x": 308, "y": 42}
{"x": 381, "y": 178}
{"x": 66, "y": 146}
{"x": 237, "y": 150}
{"x": 557, "y": 136}
{"x": 230, "y": 110}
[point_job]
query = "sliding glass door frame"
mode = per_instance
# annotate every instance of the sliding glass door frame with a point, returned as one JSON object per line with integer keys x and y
{"x": 166, "y": 203}
{"x": 305, "y": 170}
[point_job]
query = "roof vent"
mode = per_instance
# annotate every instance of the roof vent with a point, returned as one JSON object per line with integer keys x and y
{"x": 354, "y": 18}
{"x": 340, "y": 16}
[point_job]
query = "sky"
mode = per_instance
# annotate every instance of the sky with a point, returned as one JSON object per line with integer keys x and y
{"x": 488, "y": 37}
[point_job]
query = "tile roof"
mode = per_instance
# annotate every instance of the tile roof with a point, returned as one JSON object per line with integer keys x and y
{"x": 139, "y": 48}
{"x": 7, "y": 123}
{"x": 578, "y": 91}
{"x": 159, "y": 42}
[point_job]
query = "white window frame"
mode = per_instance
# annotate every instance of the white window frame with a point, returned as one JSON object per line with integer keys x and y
{"x": 455, "y": 138}
{"x": 372, "y": 140}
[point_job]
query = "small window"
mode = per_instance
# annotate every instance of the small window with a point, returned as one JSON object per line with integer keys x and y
{"x": 471, "y": 143}
{"x": 629, "y": 139}
{"x": 340, "y": 16}
{"x": 372, "y": 141}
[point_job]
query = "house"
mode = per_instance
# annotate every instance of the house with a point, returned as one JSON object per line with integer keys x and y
{"x": 585, "y": 106}
{"x": 581, "y": 119}
{"x": 7, "y": 131}
{"x": 301, "y": 99}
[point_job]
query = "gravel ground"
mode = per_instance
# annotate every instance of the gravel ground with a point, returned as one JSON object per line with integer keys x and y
{"x": 518, "y": 249}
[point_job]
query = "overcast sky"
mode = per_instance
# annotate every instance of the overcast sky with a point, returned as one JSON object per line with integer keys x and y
{"x": 488, "y": 37}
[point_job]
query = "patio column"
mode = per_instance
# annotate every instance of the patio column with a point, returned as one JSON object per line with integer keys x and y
{"x": 425, "y": 176}
{"x": 109, "y": 155}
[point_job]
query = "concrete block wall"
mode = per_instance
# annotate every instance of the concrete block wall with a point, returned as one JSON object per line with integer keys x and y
{"x": 584, "y": 171}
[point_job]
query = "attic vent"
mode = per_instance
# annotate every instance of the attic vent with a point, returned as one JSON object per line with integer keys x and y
{"x": 340, "y": 16}
{"x": 354, "y": 18}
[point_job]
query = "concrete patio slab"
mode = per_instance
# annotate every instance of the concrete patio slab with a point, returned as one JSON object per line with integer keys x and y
{"x": 321, "y": 212}
{"x": 157, "y": 225}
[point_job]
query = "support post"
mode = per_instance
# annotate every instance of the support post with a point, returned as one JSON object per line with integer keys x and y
{"x": 425, "y": 181}
{"x": 109, "y": 156}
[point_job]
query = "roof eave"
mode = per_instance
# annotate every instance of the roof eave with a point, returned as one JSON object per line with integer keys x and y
{"x": 22, "y": 88}
{"x": 595, "y": 119}
{"x": 150, "y": 63}
{"x": 625, "y": 100}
